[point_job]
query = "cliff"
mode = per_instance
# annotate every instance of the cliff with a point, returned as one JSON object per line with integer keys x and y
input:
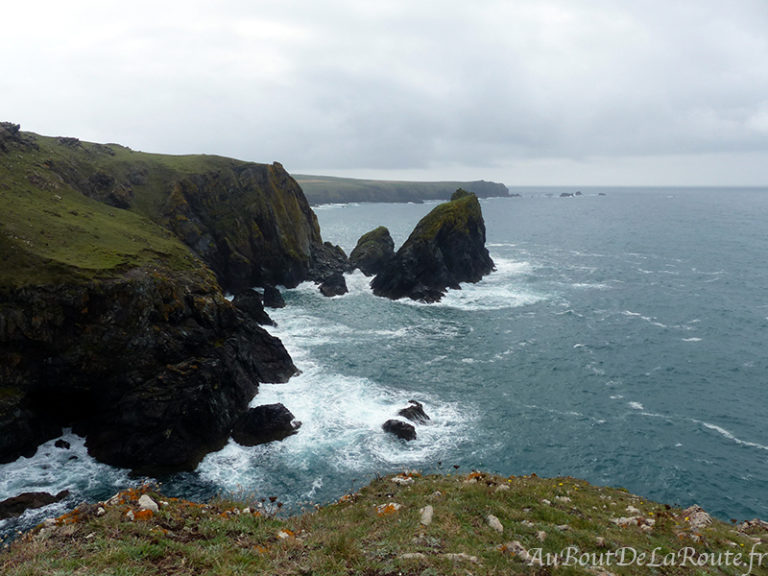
{"x": 446, "y": 247}
{"x": 333, "y": 190}
{"x": 405, "y": 524}
{"x": 112, "y": 316}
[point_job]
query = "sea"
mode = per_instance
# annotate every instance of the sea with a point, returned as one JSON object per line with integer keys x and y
{"x": 622, "y": 339}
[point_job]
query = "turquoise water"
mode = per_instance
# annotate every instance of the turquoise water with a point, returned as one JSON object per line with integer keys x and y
{"x": 622, "y": 339}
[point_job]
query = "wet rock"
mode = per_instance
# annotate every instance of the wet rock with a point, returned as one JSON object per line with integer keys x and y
{"x": 263, "y": 424}
{"x": 372, "y": 252}
{"x": 15, "y": 506}
{"x": 446, "y": 247}
{"x": 334, "y": 285}
{"x": 414, "y": 412}
{"x": 63, "y": 444}
{"x": 401, "y": 429}
{"x": 273, "y": 298}
{"x": 252, "y": 304}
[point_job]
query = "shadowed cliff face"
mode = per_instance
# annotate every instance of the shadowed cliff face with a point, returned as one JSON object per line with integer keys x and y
{"x": 112, "y": 317}
{"x": 153, "y": 370}
{"x": 251, "y": 224}
{"x": 446, "y": 247}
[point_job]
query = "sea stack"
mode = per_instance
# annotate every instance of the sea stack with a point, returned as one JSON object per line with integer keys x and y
{"x": 446, "y": 247}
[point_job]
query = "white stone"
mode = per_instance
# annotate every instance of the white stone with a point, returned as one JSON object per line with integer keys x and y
{"x": 146, "y": 503}
{"x": 100, "y": 511}
{"x": 426, "y": 515}
{"x": 494, "y": 523}
{"x": 402, "y": 480}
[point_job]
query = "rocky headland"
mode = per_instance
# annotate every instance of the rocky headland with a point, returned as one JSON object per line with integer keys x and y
{"x": 446, "y": 247}
{"x": 113, "y": 320}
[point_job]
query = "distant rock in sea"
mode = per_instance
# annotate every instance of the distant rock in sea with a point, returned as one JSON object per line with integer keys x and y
{"x": 373, "y": 251}
{"x": 446, "y": 247}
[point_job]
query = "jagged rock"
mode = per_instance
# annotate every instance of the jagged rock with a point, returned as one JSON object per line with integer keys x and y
{"x": 252, "y": 304}
{"x": 327, "y": 260}
{"x": 12, "y": 507}
{"x": 273, "y": 298}
{"x": 414, "y": 412}
{"x": 372, "y": 252}
{"x": 401, "y": 429}
{"x": 152, "y": 369}
{"x": 446, "y": 247}
{"x": 334, "y": 285}
{"x": 263, "y": 424}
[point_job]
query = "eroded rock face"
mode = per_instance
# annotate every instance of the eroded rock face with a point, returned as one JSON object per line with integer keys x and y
{"x": 265, "y": 423}
{"x": 152, "y": 369}
{"x": 446, "y": 247}
{"x": 373, "y": 251}
{"x": 252, "y": 304}
{"x": 15, "y": 506}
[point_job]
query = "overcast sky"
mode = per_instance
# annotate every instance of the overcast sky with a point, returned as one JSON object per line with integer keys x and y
{"x": 524, "y": 92}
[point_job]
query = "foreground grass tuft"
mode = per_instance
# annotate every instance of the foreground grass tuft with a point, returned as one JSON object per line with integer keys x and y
{"x": 480, "y": 524}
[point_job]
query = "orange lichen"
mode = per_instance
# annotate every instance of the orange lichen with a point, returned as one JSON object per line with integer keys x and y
{"x": 387, "y": 509}
{"x": 143, "y": 515}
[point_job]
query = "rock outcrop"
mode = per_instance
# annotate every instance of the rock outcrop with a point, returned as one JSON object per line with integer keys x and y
{"x": 15, "y": 506}
{"x": 252, "y": 304}
{"x": 401, "y": 429}
{"x": 373, "y": 251}
{"x": 446, "y": 247}
{"x": 152, "y": 369}
{"x": 265, "y": 423}
{"x": 415, "y": 412}
{"x": 334, "y": 285}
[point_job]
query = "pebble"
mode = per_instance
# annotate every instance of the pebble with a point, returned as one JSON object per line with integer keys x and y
{"x": 494, "y": 523}
{"x": 146, "y": 503}
{"x": 426, "y": 515}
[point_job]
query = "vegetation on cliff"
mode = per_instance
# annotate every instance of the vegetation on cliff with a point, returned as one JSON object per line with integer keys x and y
{"x": 333, "y": 190}
{"x": 405, "y": 524}
{"x": 112, "y": 316}
{"x": 446, "y": 247}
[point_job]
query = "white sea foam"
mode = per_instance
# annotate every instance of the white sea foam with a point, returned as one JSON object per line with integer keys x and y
{"x": 729, "y": 435}
{"x": 635, "y": 405}
{"x": 691, "y": 339}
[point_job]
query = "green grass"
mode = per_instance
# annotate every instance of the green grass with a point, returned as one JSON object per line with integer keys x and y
{"x": 353, "y": 536}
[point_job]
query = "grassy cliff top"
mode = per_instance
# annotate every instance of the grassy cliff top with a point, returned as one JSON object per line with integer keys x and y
{"x": 51, "y": 232}
{"x": 405, "y": 524}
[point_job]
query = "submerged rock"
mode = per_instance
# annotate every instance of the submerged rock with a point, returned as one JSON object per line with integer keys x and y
{"x": 263, "y": 424}
{"x": 414, "y": 412}
{"x": 334, "y": 285}
{"x": 400, "y": 429}
{"x": 446, "y": 247}
{"x": 374, "y": 249}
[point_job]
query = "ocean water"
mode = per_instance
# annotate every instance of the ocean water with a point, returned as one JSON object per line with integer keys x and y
{"x": 622, "y": 339}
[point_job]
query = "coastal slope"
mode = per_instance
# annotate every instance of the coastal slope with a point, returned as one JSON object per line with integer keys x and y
{"x": 113, "y": 318}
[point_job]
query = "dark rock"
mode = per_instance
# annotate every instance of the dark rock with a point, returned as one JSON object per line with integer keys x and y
{"x": 374, "y": 249}
{"x": 265, "y": 423}
{"x": 446, "y": 247}
{"x": 414, "y": 412}
{"x": 334, "y": 285}
{"x": 400, "y": 429}
{"x": 566, "y": 195}
{"x": 273, "y": 298}
{"x": 153, "y": 370}
{"x": 12, "y": 507}
{"x": 252, "y": 304}
{"x": 327, "y": 260}
{"x": 601, "y": 194}
{"x": 63, "y": 444}
{"x": 578, "y": 193}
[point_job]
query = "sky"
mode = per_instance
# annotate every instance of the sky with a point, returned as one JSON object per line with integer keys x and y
{"x": 560, "y": 92}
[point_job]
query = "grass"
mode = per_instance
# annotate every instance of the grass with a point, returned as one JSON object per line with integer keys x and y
{"x": 364, "y": 533}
